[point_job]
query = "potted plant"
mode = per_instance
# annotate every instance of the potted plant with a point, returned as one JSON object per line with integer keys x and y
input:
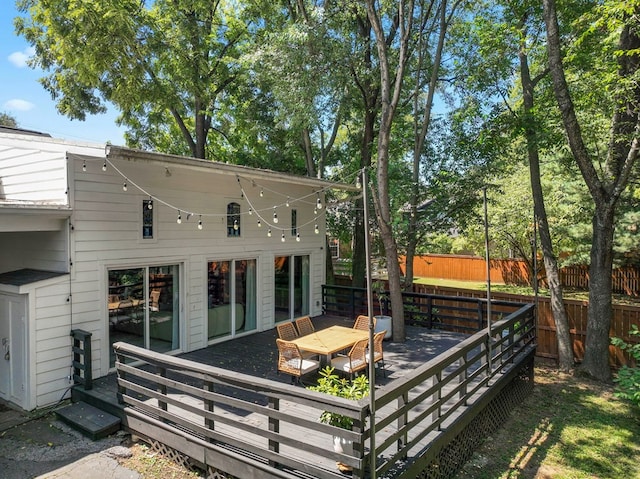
{"x": 331, "y": 383}
{"x": 383, "y": 321}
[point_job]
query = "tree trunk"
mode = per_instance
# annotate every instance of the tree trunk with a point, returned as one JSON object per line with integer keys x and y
{"x": 565, "y": 349}
{"x": 596, "y": 348}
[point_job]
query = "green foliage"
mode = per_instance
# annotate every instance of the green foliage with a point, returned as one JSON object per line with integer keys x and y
{"x": 330, "y": 383}
{"x": 8, "y": 120}
{"x": 628, "y": 378}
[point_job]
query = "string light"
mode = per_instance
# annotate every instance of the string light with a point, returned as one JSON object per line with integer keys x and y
{"x": 150, "y": 203}
{"x": 179, "y": 220}
{"x": 358, "y": 182}
{"x": 104, "y": 165}
{"x": 316, "y": 230}
{"x": 287, "y": 203}
{"x": 298, "y": 237}
{"x": 275, "y": 215}
{"x": 250, "y": 211}
{"x": 283, "y": 239}
{"x": 318, "y": 203}
{"x": 259, "y": 224}
{"x": 235, "y": 225}
{"x": 269, "y": 233}
{"x": 261, "y": 193}
{"x": 84, "y": 165}
{"x": 124, "y": 186}
{"x": 200, "y": 223}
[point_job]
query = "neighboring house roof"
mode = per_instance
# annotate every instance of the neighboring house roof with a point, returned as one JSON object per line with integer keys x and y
{"x": 22, "y": 131}
{"x": 26, "y": 276}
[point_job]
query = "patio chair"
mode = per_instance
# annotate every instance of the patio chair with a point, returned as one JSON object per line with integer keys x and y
{"x": 378, "y": 354}
{"x": 290, "y": 361}
{"x": 304, "y": 325}
{"x": 362, "y": 322}
{"x": 355, "y": 361}
{"x": 154, "y": 297}
{"x": 287, "y": 332}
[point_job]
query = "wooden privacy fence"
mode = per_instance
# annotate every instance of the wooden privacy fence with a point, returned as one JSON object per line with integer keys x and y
{"x": 624, "y": 316}
{"x": 512, "y": 271}
{"x": 236, "y": 425}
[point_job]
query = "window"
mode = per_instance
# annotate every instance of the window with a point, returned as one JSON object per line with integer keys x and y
{"x": 231, "y": 287}
{"x": 294, "y": 222}
{"x": 147, "y": 219}
{"x": 233, "y": 219}
{"x": 144, "y": 307}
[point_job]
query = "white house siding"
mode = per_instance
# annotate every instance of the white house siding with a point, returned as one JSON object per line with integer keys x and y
{"x": 107, "y": 233}
{"x": 46, "y": 250}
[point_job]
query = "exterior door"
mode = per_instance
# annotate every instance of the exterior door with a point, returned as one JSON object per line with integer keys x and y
{"x": 13, "y": 348}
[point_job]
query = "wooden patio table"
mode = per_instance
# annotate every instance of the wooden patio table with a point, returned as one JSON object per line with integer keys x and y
{"x": 328, "y": 341}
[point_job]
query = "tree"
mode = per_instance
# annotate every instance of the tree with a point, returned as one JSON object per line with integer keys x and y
{"x": 164, "y": 66}
{"x": 606, "y": 178}
{"x": 7, "y": 120}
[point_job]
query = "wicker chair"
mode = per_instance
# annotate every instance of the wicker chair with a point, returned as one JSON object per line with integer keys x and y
{"x": 378, "y": 354}
{"x": 287, "y": 332}
{"x": 290, "y": 361}
{"x": 362, "y": 322}
{"x": 355, "y": 361}
{"x": 304, "y": 326}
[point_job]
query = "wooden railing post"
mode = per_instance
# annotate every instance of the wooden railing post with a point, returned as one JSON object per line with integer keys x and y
{"x": 82, "y": 362}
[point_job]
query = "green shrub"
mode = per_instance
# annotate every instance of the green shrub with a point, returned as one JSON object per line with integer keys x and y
{"x": 628, "y": 378}
{"x": 330, "y": 383}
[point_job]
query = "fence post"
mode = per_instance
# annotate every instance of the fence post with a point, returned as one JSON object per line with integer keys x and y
{"x": 82, "y": 362}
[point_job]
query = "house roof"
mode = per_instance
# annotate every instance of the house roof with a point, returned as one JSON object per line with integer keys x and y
{"x": 119, "y": 152}
{"x": 21, "y": 277}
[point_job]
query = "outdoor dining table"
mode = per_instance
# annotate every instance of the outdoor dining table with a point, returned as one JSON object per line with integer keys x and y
{"x": 328, "y": 341}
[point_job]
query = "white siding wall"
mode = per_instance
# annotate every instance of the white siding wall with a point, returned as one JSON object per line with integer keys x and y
{"x": 46, "y": 250}
{"x": 107, "y": 233}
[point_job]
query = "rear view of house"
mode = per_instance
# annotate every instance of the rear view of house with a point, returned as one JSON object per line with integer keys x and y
{"x": 169, "y": 253}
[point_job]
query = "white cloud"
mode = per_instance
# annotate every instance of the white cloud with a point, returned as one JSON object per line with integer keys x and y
{"x": 18, "y": 105}
{"x": 20, "y": 59}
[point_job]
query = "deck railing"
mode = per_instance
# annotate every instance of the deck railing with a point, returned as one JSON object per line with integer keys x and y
{"x": 243, "y": 426}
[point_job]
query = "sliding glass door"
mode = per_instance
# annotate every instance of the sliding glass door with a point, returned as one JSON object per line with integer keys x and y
{"x": 144, "y": 307}
{"x": 231, "y": 287}
{"x": 291, "y": 282}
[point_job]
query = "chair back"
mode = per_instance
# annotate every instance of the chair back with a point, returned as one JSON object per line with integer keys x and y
{"x": 289, "y": 357}
{"x": 287, "y": 331}
{"x": 362, "y": 322}
{"x": 378, "y": 354}
{"x": 358, "y": 356}
{"x": 304, "y": 325}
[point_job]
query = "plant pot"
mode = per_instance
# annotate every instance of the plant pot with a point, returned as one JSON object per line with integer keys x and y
{"x": 343, "y": 446}
{"x": 384, "y": 323}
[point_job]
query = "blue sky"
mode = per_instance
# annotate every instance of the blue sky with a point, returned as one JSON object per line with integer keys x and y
{"x": 22, "y": 96}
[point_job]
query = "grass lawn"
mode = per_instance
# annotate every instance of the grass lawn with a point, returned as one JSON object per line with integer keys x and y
{"x": 569, "y": 428}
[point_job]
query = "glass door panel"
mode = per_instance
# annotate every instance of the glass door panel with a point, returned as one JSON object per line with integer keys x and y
{"x": 219, "y": 294}
{"x": 163, "y": 308}
{"x": 282, "y": 279}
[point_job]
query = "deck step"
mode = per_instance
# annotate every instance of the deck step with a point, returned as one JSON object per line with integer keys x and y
{"x": 89, "y": 420}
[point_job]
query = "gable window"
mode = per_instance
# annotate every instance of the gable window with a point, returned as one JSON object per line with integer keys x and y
{"x": 294, "y": 222}
{"x": 147, "y": 219}
{"x": 233, "y": 219}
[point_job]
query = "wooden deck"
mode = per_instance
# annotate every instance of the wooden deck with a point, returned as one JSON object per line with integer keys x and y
{"x": 256, "y": 355}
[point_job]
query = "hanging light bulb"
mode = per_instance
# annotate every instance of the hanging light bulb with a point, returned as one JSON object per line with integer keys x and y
{"x": 358, "y": 182}
{"x": 298, "y": 237}
{"x": 84, "y": 165}
{"x": 283, "y": 239}
{"x": 124, "y": 186}
{"x": 179, "y": 220}
{"x": 275, "y": 215}
{"x": 287, "y": 203}
{"x": 261, "y": 193}
{"x": 269, "y": 233}
{"x": 315, "y": 211}
{"x": 150, "y": 203}
{"x": 316, "y": 230}
{"x": 235, "y": 225}
{"x": 318, "y": 203}
{"x": 104, "y": 165}
{"x": 200, "y": 223}
{"x": 250, "y": 211}
{"x": 259, "y": 224}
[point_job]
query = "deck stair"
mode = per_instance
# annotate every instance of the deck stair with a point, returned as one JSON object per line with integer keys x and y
{"x": 89, "y": 420}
